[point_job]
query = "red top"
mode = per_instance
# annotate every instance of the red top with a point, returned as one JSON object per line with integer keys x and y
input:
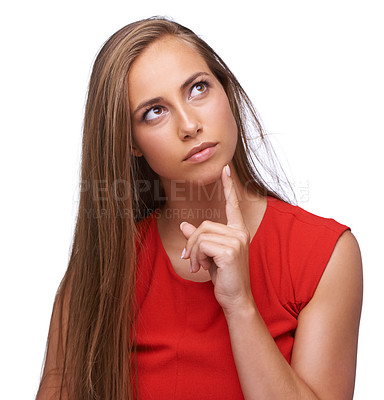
{"x": 184, "y": 349}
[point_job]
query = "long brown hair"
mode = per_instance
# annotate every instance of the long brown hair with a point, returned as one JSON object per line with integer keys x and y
{"x": 96, "y": 299}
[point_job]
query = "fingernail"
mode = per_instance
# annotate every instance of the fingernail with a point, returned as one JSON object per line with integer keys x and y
{"x": 228, "y": 170}
{"x": 181, "y": 225}
{"x": 182, "y": 253}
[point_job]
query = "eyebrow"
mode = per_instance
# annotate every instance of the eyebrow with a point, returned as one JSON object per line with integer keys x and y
{"x": 155, "y": 100}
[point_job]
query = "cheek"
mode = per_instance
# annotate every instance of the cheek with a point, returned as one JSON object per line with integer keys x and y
{"x": 149, "y": 142}
{"x": 223, "y": 119}
{"x": 155, "y": 147}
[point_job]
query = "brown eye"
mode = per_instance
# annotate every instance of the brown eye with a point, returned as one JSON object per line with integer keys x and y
{"x": 198, "y": 88}
{"x": 154, "y": 112}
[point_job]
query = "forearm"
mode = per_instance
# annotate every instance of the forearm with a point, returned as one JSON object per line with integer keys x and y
{"x": 263, "y": 371}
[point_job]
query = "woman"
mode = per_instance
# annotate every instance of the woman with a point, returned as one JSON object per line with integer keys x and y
{"x": 189, "y": 277}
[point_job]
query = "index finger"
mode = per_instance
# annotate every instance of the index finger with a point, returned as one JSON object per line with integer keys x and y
{"x": 232, "y": 205}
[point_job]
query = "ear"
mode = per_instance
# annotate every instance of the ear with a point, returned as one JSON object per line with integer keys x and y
{"x": 136, "y": 152}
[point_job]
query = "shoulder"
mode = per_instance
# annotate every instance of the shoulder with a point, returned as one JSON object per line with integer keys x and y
{"x": 343, "y": 270}
{"x": 303, "y": 233}
{"x": 305, "y": 242}
{"x": 293, "y": 215}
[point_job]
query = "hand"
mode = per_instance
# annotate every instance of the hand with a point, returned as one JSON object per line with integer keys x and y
{"x": 223, "y": 251}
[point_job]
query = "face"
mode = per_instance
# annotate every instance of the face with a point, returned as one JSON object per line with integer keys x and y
{"x": 181, "y": 119}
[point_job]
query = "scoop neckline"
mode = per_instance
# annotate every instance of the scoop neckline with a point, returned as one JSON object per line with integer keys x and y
{"x": 168, "y": 260}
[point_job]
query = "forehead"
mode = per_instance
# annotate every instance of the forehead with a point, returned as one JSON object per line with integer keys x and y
{"x": 163, "y": 65}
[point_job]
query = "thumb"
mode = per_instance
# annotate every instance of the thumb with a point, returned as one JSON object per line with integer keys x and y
{"x": 187, "y": 229}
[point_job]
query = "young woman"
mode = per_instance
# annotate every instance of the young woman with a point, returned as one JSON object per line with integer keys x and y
{"x": 189, "y": 277}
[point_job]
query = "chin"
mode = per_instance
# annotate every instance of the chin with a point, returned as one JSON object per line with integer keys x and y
{"x": 207, "y": 177}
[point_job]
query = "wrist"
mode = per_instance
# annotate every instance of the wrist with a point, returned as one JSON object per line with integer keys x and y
{"x": 242, "y": 309}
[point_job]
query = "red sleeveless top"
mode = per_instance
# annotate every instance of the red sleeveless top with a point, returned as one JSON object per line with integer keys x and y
{"x": 183, "y": 344}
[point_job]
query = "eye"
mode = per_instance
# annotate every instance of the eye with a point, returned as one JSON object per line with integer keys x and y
{"x": 153, "y": 113}
{"x": 198, "y": 88}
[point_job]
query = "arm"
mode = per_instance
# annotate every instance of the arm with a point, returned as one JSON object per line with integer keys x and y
{"x": 324, "y": 354}
{"x": 50, "y": 385}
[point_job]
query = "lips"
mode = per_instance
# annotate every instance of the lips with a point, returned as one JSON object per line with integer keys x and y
{"x": 199, "y": 148}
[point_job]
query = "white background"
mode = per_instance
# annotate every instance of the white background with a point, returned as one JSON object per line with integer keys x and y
{"x": 315, "y": 73}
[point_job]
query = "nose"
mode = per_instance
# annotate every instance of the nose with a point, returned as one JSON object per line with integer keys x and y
{"x": 188, "y": 123}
